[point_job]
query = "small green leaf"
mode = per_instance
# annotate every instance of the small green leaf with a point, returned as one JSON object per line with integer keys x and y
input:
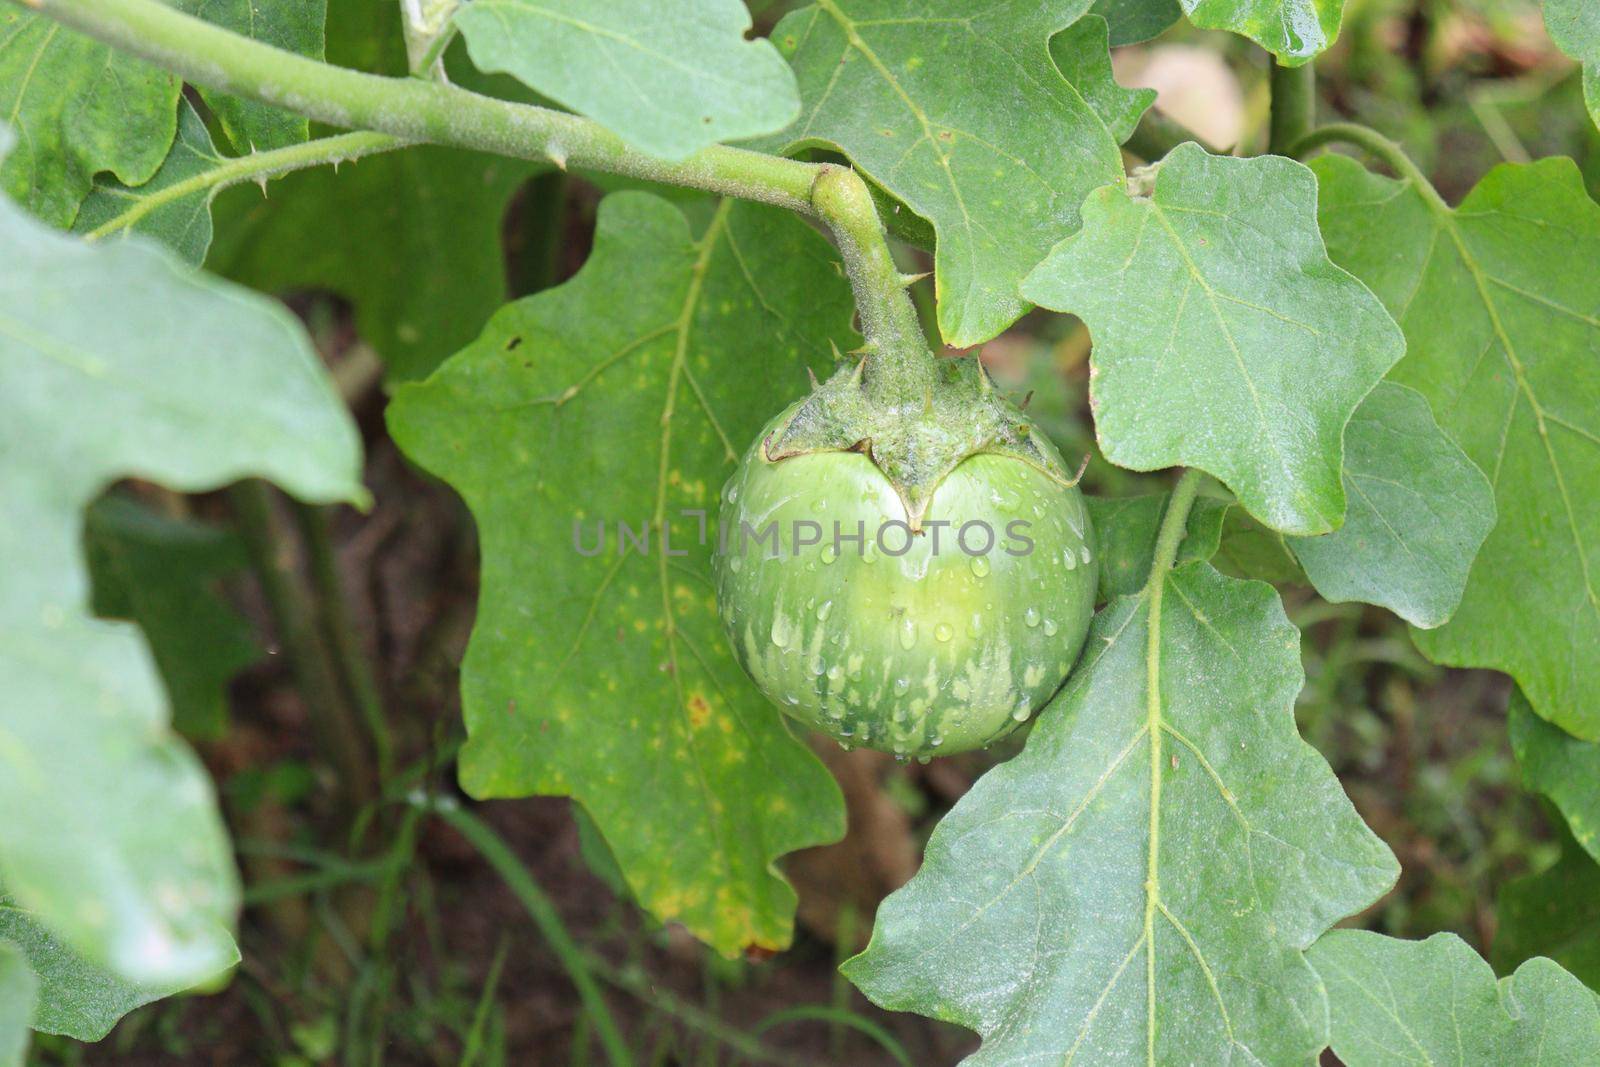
{"x": 18, "y": 994}
{"x": 1140, "y": 883}
{"x": 1554, "y": 913}
{"x": 1293, "y": 30}
{"x": 1419, "y": 511}
{"x": 1132, "y": 21}
{"x": 1082, "y": 54}
{"x": 1561, "y": 767}
{"x": 1436, "y": 1002}
{"x": 1224, "y": 338}
{"x": 1500, "y": 303}
{"x": 601, "y": 671}
{"x": 78, "y": 107}
{"x": 1574, "y": 25}
{"x": 959, "y": 111}
{"x": 1126, "y": 528}
{"x": 669, "y": 76}
{"x": 161, "y": 573}
{"x": 183, "y": 225}
{"x": 116, "y": 361}
{"x": 75, "y": 997}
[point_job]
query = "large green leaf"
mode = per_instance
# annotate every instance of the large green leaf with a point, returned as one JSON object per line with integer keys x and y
{"x": 1500, "y": 302}
{"x": 184, "y": 224}
{"x": 1224, "y": 338}
{"x": 1436, "y": 1002}
{"x": 81, "y": 107}
{"x": 1140, "y": 883}
{"x": 117, "y": 361}
{"x": 411, "y": 238}
{"x": 1574, "y": 25}
{"x": 1554, "y": 913}
{"x": 1419, "y": 511}
{"x": 18, "y": 992}
{"x": 161, "y": 573}
{"x": 625, "y": 396}
{"x": 74, "y": 997}
{"x": 1561, "y": 767}
{"x": 1082, "y": 53}
{"x": 956, "y": 108}
{"x": 1293, "y": 30}
{"x": 669, "y": 76}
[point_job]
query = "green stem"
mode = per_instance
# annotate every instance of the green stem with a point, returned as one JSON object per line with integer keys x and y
{"x": 900, "y": 368}
{"x": 1294, "y": 106}
{"x": 417, "y": 110}
{"x": 339, "y": 631}
{"x": 332, "y": 721}
{"x": 1174, "y": 524}
{"x": 1378, "y": 146}
{"x": 539, "y": 907}
{"x": 411, "y": 108}
{"x": 1155, "y": 136}
{"x": 258, "y": 166}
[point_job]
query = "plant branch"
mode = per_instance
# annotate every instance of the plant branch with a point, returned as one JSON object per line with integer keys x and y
{"x": 1376, "y": 145}
{"x": 273, "y": 558}
{"x": 412, "y": 108}
{"x": 1294, "y": 106}
{"x": 416, "y": 110}
{"x": 258, "y": 166}
{"x": 339, "y": 632}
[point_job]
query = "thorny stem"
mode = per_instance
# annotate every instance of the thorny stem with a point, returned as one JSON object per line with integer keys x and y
{"x": 418, "y": 110}
{"x": 258, "y": 166}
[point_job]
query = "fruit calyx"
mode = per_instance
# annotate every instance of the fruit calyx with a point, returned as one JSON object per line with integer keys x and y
{"x": 916, "y": 442}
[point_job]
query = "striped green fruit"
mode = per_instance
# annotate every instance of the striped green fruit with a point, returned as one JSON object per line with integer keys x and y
{"x": 918, "y": 644}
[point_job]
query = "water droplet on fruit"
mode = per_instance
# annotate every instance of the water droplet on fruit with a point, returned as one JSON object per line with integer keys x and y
{"x": 835, "y": 673}
{"x": 781, "y": 633}
{"x": 936, "y": 740}
{"x": 975, "y": 625}
{"x": 924, "y": 760}
{"x": 901, "y": 685}
{"x": 1020, "y": 712}
{"x": 1084, "y": 552}
{"x": 980, "y": 566}
{"x": 1068, "y": 560}
{"x": 943, "y": 632}
{"x": 1050, "y": 627}
{"x": 824, "y": 610}
{"x": 829, "y": 554}
{"x": 735, "y": 564}
{"x": 1031, "y": 617}
{"x": 908, "y": 633}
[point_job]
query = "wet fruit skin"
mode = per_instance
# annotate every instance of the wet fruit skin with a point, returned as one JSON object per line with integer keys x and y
{"x": 925, "y": 653}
